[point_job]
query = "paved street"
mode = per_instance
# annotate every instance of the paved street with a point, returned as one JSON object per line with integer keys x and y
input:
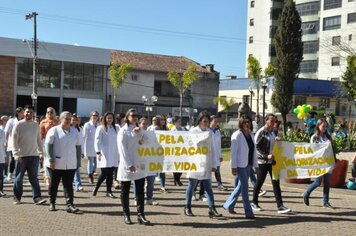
{"x": 103, "y": 216}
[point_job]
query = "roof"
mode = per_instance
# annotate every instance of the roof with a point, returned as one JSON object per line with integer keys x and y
{"x": 302, "y": 87}
{"x": 55, "y": 51}
{"x": 318, "y": 88}
{"x": 154, "y": 62}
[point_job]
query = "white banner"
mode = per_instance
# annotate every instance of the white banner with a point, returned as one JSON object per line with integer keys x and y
{"x": 302, "y": 160}
{"x": 172, "y": 151}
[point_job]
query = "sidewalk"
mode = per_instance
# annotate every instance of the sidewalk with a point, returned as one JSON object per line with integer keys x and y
{"x": 103, "y": 216}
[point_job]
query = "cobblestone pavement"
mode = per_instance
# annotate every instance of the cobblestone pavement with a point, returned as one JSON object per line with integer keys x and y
{"x": 103, "y": 216}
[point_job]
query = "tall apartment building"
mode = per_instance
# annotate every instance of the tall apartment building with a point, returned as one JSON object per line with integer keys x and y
{"x": 327, "y": 26}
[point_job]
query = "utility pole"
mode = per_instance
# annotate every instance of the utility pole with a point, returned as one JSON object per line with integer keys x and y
{"x": 34, "y": 69}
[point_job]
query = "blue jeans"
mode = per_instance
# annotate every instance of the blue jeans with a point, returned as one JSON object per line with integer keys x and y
{"x": 150, "y": 186}
{"x": 241, "y": 179}
{"x": 29, "y": 164}
{"x": 91, "y": 165}
{"x": 77, "y": 180}
{"x": 316, "y": 183}
{"x": 2, "y": 168}
{"x": 208, "y": 192}
{"x": 252, "y": 177}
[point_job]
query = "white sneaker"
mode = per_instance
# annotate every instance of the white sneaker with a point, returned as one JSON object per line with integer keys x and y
{"x": 262, "y": 193}
{"x": 152, "y": 202}
{"x": 135, "y": 203}
{"x": 194, "y": 197}
{"x": 157, "y": 179}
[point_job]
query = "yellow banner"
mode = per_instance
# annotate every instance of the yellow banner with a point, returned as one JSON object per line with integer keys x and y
{"x": 302, "y": 160}
{"x": 172, "y": 151}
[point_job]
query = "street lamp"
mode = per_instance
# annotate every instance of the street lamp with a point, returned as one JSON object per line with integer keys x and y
{"x": 251, "y": 94}
{"x": 264, "y": 82}
{"x": 148, "y": 103}
{"x": 34, "y": 82}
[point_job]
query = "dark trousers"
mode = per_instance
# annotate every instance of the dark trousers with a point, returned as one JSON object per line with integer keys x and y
{"x": 106, "y": 173}
{"x": 139, "y": 189}
{"x": 12, "y": 163}
{"x": 177, "y": 176}
{"x": 67, "y": 177}
{"x": 263, "y": 170}
{"x": 2, "y": 167}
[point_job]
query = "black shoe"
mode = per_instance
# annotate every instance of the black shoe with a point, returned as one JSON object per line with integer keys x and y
{"x": 179, "y": 183}
{"x": 251, "y": 217}
{"x": 142, "y": 220}
{"x": 306, "y": 199}
{"x": 39, "y": 201}
{"x": 213, "y": 212}
{"x": 188, "y": 211}
{"x": 52, "y": 207}
{"x": 127, "y": 220}
{"x": 110, "y": 195}
{"x": 72, "y": 209}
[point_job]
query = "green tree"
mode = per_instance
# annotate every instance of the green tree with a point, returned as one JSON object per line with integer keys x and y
{"x": 254, "y": 71}
{"x": 183, "y": 81}
{"x": 289, "y": 50}
{"x": 225, "y": 103}
{"x": 349, "y": 77}
{"x": 117, "y": 75}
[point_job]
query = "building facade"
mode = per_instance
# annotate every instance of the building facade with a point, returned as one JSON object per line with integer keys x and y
{"x": 329, "y": 33}
{"x": 75, "y": 78}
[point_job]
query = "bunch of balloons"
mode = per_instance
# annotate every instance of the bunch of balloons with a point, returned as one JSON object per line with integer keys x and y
{"x": 302, "y": 110}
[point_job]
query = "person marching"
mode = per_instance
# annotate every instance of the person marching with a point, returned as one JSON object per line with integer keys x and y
{"x": 64, "y": 157}
{"x": 243, "y": 159}
{"x": 177, "y": 122}
{"x": 264, "y": 140}
{"x": 204, "y": 177}
{"x": 89, "y": 136}
{"x": 107, "y": 155}
{"x": 320, "y": 136}
{"x": 128, "y": 171}
{"x": 27, "y": 147}
{"x": 3, "y": 160}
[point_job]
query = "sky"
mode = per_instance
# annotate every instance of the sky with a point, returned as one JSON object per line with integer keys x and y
{"x": 206, "y": 31}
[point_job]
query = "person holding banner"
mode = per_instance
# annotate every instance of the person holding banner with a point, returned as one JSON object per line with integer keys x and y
{"x": 264, "y": 140}
{"x": 204, "y": 177}
{"x": 107, "y": 154}
{"x": 128, "y": 169}
{"x": 177, "y": 121}
{"x": 320, "y": 136}
{"x": 243, "y": 159}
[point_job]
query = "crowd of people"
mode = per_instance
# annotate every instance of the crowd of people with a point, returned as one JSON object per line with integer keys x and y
{"x": 56, "y": 146}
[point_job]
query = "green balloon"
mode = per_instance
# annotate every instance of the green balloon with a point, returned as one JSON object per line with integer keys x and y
{"x": 296, "y": 110}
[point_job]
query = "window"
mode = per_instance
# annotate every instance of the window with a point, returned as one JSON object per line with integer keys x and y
{"x": 351, "y": 18}
{"x": 324, "y": 103}
{"x": 311, "y": 27}
{"x": 309, "y": 66}
{"x": 330, "y": 23}
{"x": 252, "y": 4}
{"x": 272, "y": 50}
{"x": 310, "y": 47}
{"x": 331, "y": 4}
{"x": 275, "y": 13}
{"x": 250, "y": 40}
{"x": 311, "y": 8}
{"x": 134, "y": 77}
{"x": 299, "y": 100}
{"x": 335, "y": 61}
{"x": 245, "y": 99}
{"x": 336, "y": 40}
{"x": 335, "y": 79}
{"x": 350, "y": 37}
{"x": 272, "y": 31}
{"x": 252, "y": 22}
{"x": 86, "y": 77}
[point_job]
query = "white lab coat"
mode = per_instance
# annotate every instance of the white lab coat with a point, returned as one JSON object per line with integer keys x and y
{"x": 239, "y": 150}
{"x": 217, "y": 145}
{"x": 2, "y": 147}
{"x": 64, "y": 147}
{"x": 211, "y": 162}
{"x": 89, "y": 130}
{"x": 127, "y": 143}
{"x": 106, "y": 143}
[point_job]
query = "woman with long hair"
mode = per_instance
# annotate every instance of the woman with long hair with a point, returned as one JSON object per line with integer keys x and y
{"x": 320, "y": 136}
{"x": 128, "y": 169}
{"x": 107, "y": 155}
{"x": 204, "y": 177}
